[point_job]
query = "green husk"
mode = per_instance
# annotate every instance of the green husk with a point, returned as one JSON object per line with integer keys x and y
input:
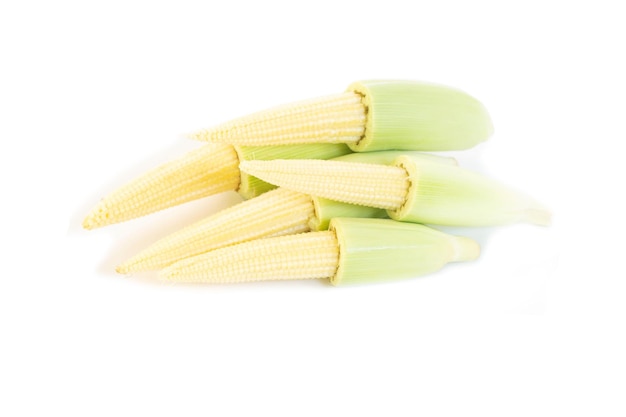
{"x": 372, "y": 250}
{"x": 326, "y": 210}
{"x": 413, "y": 115}
{"x": 453, "y": 196}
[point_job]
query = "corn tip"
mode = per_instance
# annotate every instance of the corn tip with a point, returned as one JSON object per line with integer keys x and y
{"x": 192, "y": 136}
{"x": 539, "y": 216}
{"x": 465, "y": 249}
{"x": 132, "y": 265}
{"x": 122, "y": 269}
{"x": 200, "y": 136}
{"x": 96, "y": 218}
{"x": 207, "y": 170}
{"x": 88, "y": 223}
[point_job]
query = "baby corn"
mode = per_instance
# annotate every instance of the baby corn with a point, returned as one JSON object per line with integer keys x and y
{"x": 351, "y": 251}
{"x": 211, "y": 169}
{"x": 370, "y": 116}
{"x": 410, "y": 190}
{"x": 202, "y": 172}
{"x": 327, "y": 219}
{"x": 338, "y": 118}
{"x": 277, "y": 212}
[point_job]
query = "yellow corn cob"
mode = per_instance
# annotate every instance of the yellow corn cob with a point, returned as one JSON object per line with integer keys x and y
{"x": 338, "y": 118}
{"x": 202, "y": 172}
{"x": 411, "y": 190}
{"x": 351, "y": 251}
{"x": 277, "y": 212}
{"x": 372, "y": 115}
{"x": 365, "y": 184}
{"x": 302, "y": 256}
{"x": 199, "y": 173}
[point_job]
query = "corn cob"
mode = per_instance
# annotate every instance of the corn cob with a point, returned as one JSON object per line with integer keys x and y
{"x": 337, "y": 118}
{"x": 351, "y": 251}
{"x": 278, "y": 212}
{"x": 251, "y": 186}
{"x": 209, "y": 170}
{"x": 410, "y": 190}
{"x": 202, "y": 172}
{"x": 255, "y": 218}
{"x": 370, "y": 116}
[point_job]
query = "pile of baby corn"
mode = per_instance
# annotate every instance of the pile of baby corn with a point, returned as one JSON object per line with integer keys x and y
{"x": 336, "y": 187}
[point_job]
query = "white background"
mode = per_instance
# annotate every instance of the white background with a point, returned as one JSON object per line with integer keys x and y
{"x": 93, "y": 94}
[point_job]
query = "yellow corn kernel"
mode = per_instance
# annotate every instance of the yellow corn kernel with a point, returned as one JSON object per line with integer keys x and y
{"x": 302, "y": 256}
{"x": 338, "y": 118}
{"x": 202, "y": 172}
{"x": 364, "y": 184}
{"x": 275, "y": 213}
